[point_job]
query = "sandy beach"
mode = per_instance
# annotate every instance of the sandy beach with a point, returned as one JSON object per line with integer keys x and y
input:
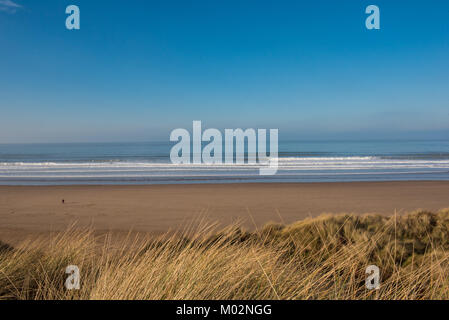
{"x": 27, "y": 210}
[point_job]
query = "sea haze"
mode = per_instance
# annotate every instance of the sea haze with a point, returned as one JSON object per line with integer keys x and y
{"x": 149, "y": 163}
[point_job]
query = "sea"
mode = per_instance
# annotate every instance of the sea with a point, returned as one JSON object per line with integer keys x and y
{"x": 149, "y": 163}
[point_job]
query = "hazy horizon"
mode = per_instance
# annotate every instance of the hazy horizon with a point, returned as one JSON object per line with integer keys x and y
{"x": 428, "y": 137}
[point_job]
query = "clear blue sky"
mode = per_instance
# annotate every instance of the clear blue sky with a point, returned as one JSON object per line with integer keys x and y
{"x": 138, "y": 69}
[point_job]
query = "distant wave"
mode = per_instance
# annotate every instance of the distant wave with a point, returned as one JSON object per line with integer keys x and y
{"x": 352, "y": 168}
{"x": 284, "y": 163}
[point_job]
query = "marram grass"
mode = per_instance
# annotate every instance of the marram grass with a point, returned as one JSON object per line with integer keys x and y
{"x": 317, "y": 258}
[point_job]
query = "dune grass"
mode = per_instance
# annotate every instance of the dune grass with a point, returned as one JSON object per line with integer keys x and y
{"x": 317, "y": 258}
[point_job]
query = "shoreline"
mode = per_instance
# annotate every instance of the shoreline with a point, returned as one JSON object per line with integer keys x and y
{"x": 31, "y": 210}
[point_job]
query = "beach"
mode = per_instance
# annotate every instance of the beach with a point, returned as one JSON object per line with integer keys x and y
{"x": 33, "y": 210}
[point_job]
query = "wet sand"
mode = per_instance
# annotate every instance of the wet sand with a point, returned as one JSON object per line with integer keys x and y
{"x": 27, "y": 210}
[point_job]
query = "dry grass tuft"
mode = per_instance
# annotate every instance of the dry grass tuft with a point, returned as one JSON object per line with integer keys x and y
{"x": 318, "y": 258}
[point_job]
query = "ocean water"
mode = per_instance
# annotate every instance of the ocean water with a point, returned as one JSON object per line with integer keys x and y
{"x": 149, "y": 163}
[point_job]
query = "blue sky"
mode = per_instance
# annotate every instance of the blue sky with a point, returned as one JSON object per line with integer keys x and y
{"x": 138, "y": 69}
